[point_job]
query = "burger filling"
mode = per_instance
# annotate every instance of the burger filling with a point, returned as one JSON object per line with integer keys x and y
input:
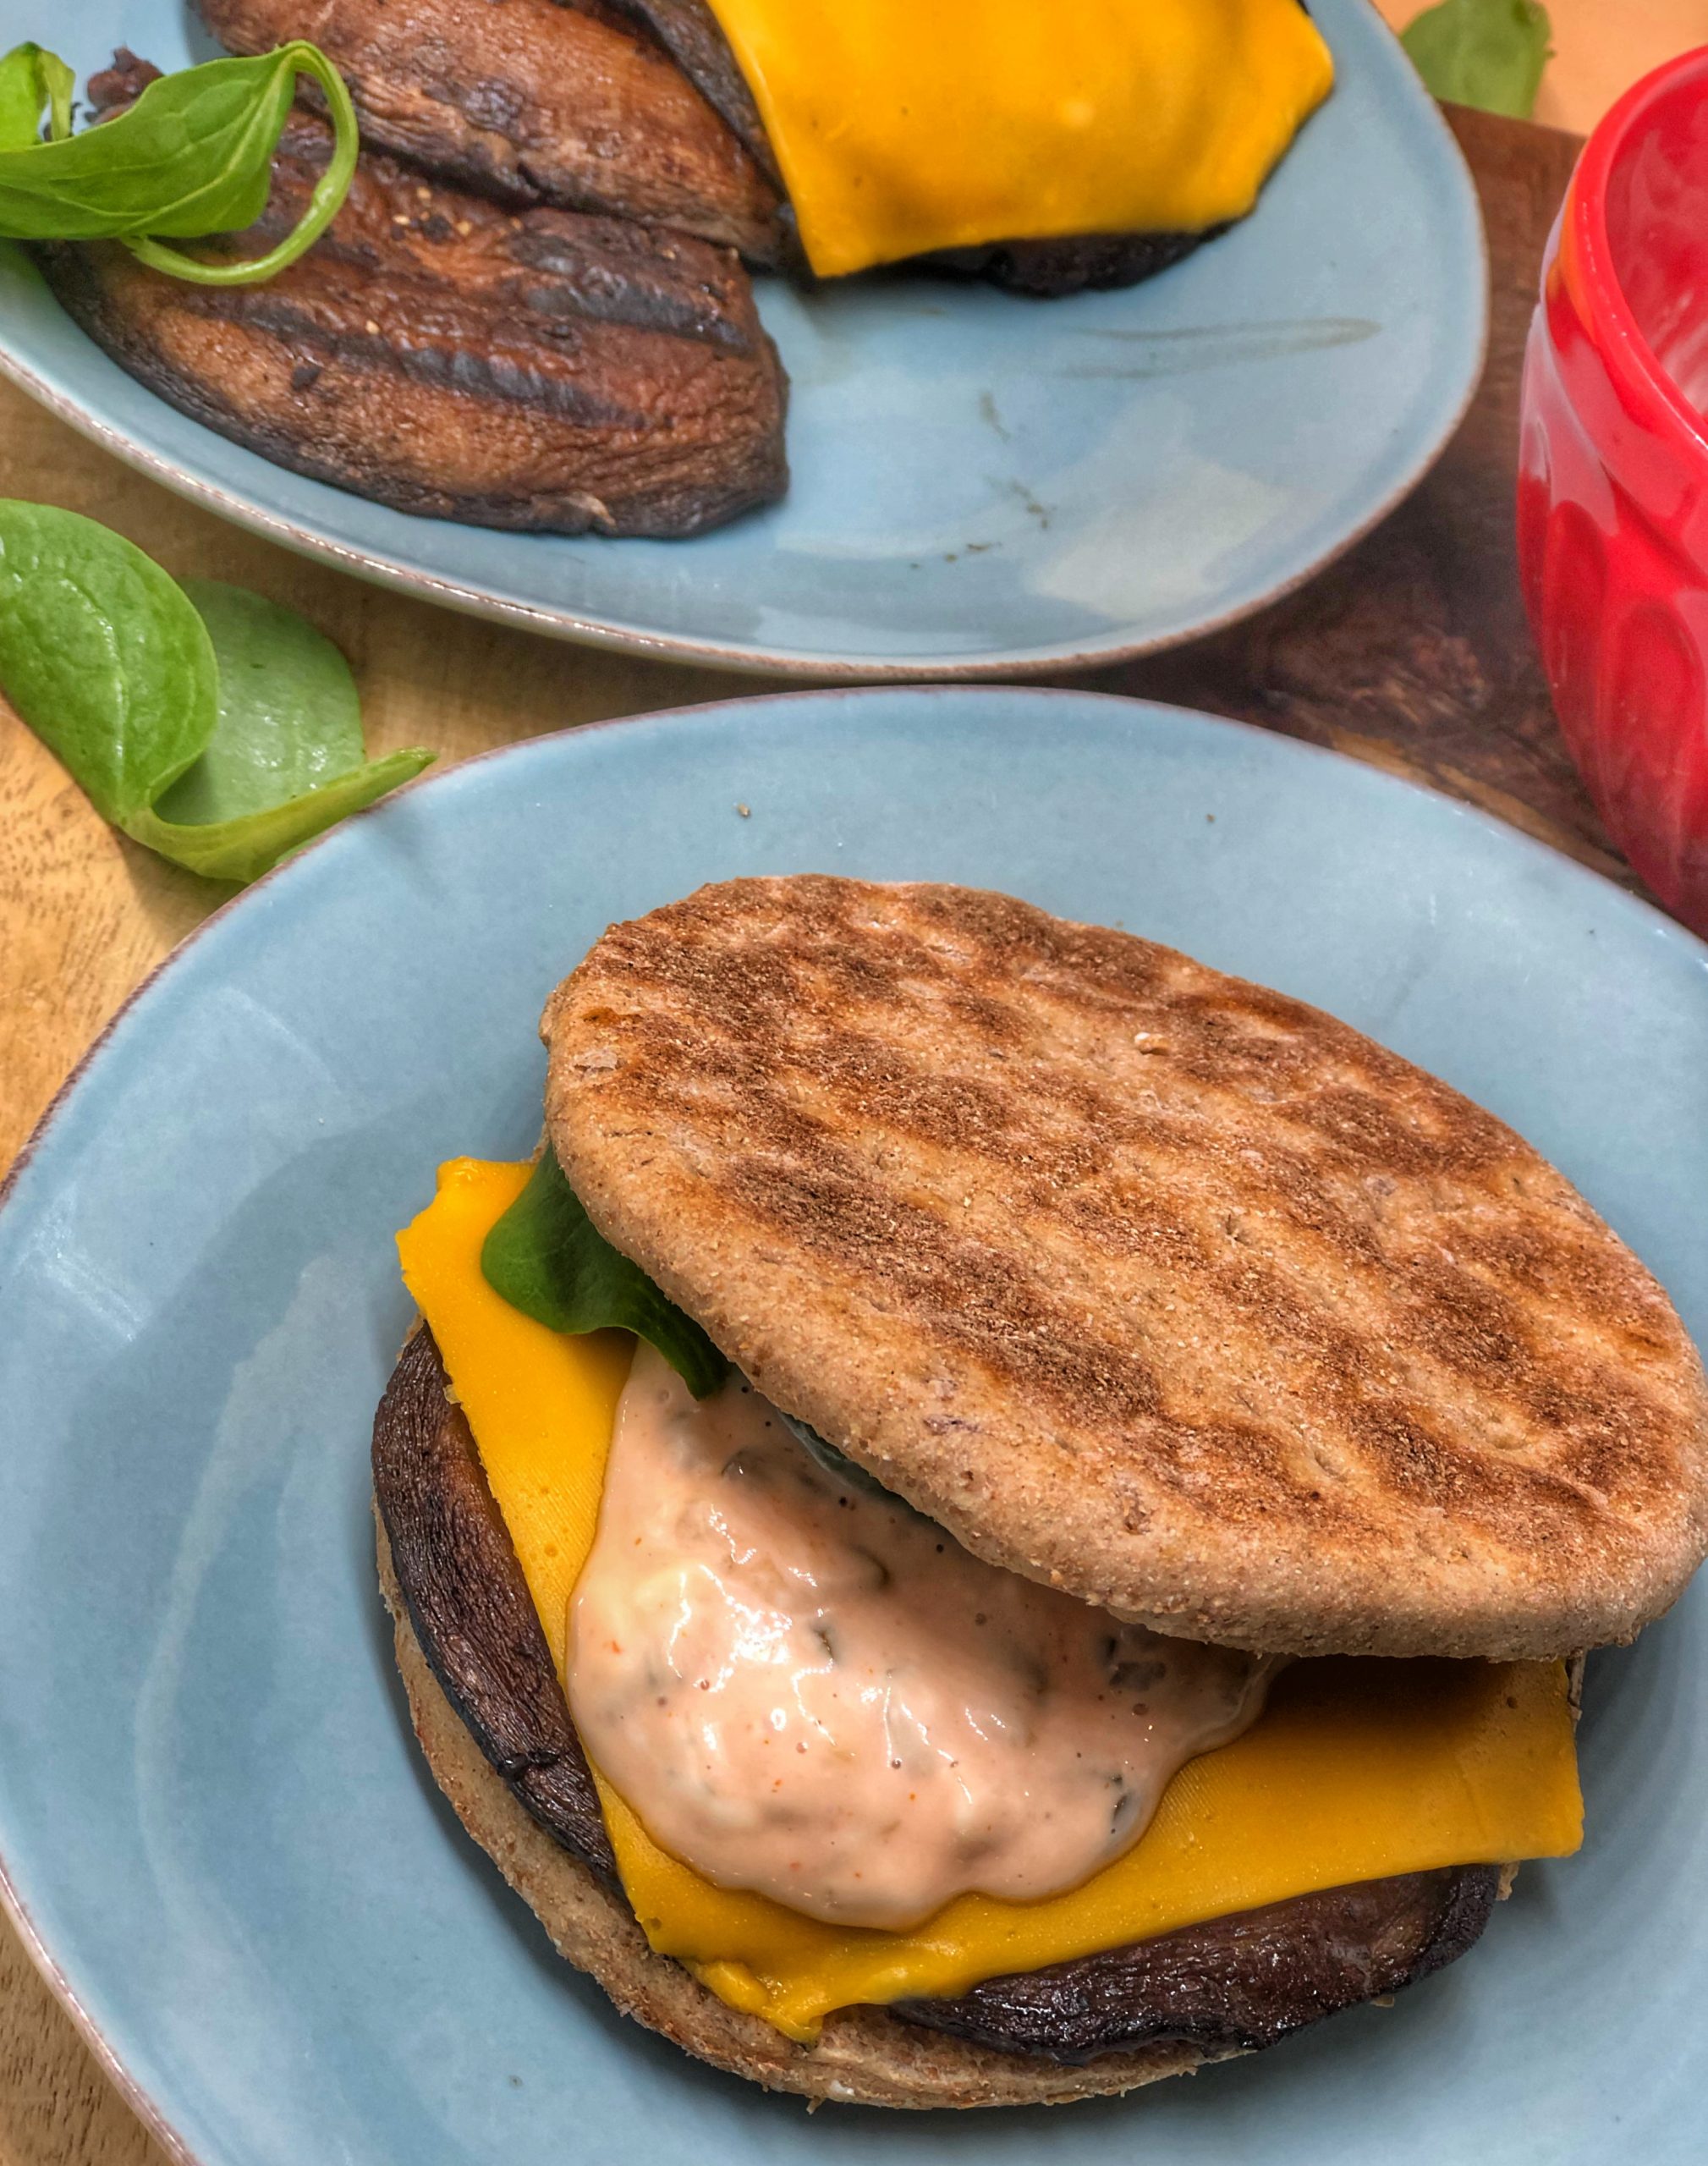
{"x": 809, "y": 1691}
{"x": 841, "y": 1761}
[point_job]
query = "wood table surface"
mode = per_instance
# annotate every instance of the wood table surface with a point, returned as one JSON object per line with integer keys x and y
{"x": 1412, "y": 653}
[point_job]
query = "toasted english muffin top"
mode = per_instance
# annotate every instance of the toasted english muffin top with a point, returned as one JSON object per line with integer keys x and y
{"x": 1143, "y": 1280}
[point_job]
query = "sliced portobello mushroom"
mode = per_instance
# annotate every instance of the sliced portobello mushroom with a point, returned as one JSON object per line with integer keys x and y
{"x": 1234, "y": 1983}
{"x": 535, "y": 370}
{"x": 571, "y": 102}
{"x": 579, "y": 107}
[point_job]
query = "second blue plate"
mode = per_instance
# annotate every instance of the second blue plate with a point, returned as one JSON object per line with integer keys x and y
{"x": 982, "y": 484}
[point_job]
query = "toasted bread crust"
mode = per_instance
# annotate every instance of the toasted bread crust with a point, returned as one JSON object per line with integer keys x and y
{"x": 1147, "y": 1282}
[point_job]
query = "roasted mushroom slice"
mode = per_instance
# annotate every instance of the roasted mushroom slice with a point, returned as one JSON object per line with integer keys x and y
{"x": 534, "y": 103}
{"x": 541, "y": 370}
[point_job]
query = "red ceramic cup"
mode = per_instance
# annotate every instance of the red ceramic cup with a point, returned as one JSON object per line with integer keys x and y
{"x": 1613, "y": 477}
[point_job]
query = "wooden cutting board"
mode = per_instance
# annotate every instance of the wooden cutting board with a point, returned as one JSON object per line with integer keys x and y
{"x": 1411, "y": 653}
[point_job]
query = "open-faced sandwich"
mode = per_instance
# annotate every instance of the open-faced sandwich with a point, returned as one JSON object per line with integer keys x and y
{"x": 535, "y": 310}
{"x": 1001, "y": 1515}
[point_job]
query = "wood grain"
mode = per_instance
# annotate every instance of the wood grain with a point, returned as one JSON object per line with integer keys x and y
{"x": 1411, "y": 653}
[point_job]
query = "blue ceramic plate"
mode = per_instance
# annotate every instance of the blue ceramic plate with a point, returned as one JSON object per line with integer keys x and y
{"x": 982, "y": 484}
{"x": 216, "y": 1825}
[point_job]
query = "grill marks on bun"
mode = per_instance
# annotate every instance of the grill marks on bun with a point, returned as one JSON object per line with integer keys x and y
{"x": 1146, "y": 1280}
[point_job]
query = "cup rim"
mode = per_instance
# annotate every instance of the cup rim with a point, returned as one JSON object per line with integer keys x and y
{"x": 1614, "y": 324}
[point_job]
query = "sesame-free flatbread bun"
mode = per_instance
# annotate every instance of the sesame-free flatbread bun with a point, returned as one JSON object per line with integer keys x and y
{"x": 1143, "y": 1280}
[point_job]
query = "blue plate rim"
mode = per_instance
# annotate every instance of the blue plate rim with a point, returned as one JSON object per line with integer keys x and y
{"x": 13, "y": 1907}
{"x": 829, "y": 668}
{"x": 141, "y": 2101}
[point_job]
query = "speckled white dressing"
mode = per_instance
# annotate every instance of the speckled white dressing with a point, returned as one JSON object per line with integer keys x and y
{"x": 804, "y": 1689}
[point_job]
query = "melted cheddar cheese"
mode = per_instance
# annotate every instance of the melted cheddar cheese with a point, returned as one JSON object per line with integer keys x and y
{"x": 902, "y": 129}
{"x": 1357, "y": 1770}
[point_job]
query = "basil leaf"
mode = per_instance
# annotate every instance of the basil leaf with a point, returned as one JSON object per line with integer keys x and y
{"x": 547, "y": 1258}
{"x": 1489, "y": 53}
{"x": 214, "y": 727}
{"x": 32, "y": 81}
{"x": 103, "y": 655}
{"x": 192, "y": 155}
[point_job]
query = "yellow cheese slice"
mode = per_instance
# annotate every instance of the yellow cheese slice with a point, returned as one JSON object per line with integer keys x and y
{"x": 541, "y": 1405}
{"x": 901, "y": 127}
{"x": 1359, "y": 1769}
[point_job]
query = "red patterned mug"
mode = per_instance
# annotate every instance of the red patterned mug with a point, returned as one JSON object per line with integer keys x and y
{"x": 1613, "y": 477}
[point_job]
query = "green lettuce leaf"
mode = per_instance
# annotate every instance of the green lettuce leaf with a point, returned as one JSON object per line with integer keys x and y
{"x": 210, "y": 724}
{"x": 242, "y": 849}
{"x": 1489, "y": 53}
{"x": 547, "y": 1258}
{"x": 289, "y": 713}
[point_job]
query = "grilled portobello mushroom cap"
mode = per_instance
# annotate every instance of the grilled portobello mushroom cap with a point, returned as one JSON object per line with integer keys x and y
{"x": 634, "y": 107}
{"x": 694, "y": 38}
{"x": 534, "y": 370}
{"x": 534, "y": 103}
{"x": 1234, "y": 1984}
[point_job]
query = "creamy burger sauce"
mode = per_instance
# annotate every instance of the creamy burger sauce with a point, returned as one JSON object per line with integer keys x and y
{"x": 805, "y": 1689}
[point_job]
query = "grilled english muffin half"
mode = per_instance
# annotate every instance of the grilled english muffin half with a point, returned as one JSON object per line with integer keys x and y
{"x": 1161, "y": 1288}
